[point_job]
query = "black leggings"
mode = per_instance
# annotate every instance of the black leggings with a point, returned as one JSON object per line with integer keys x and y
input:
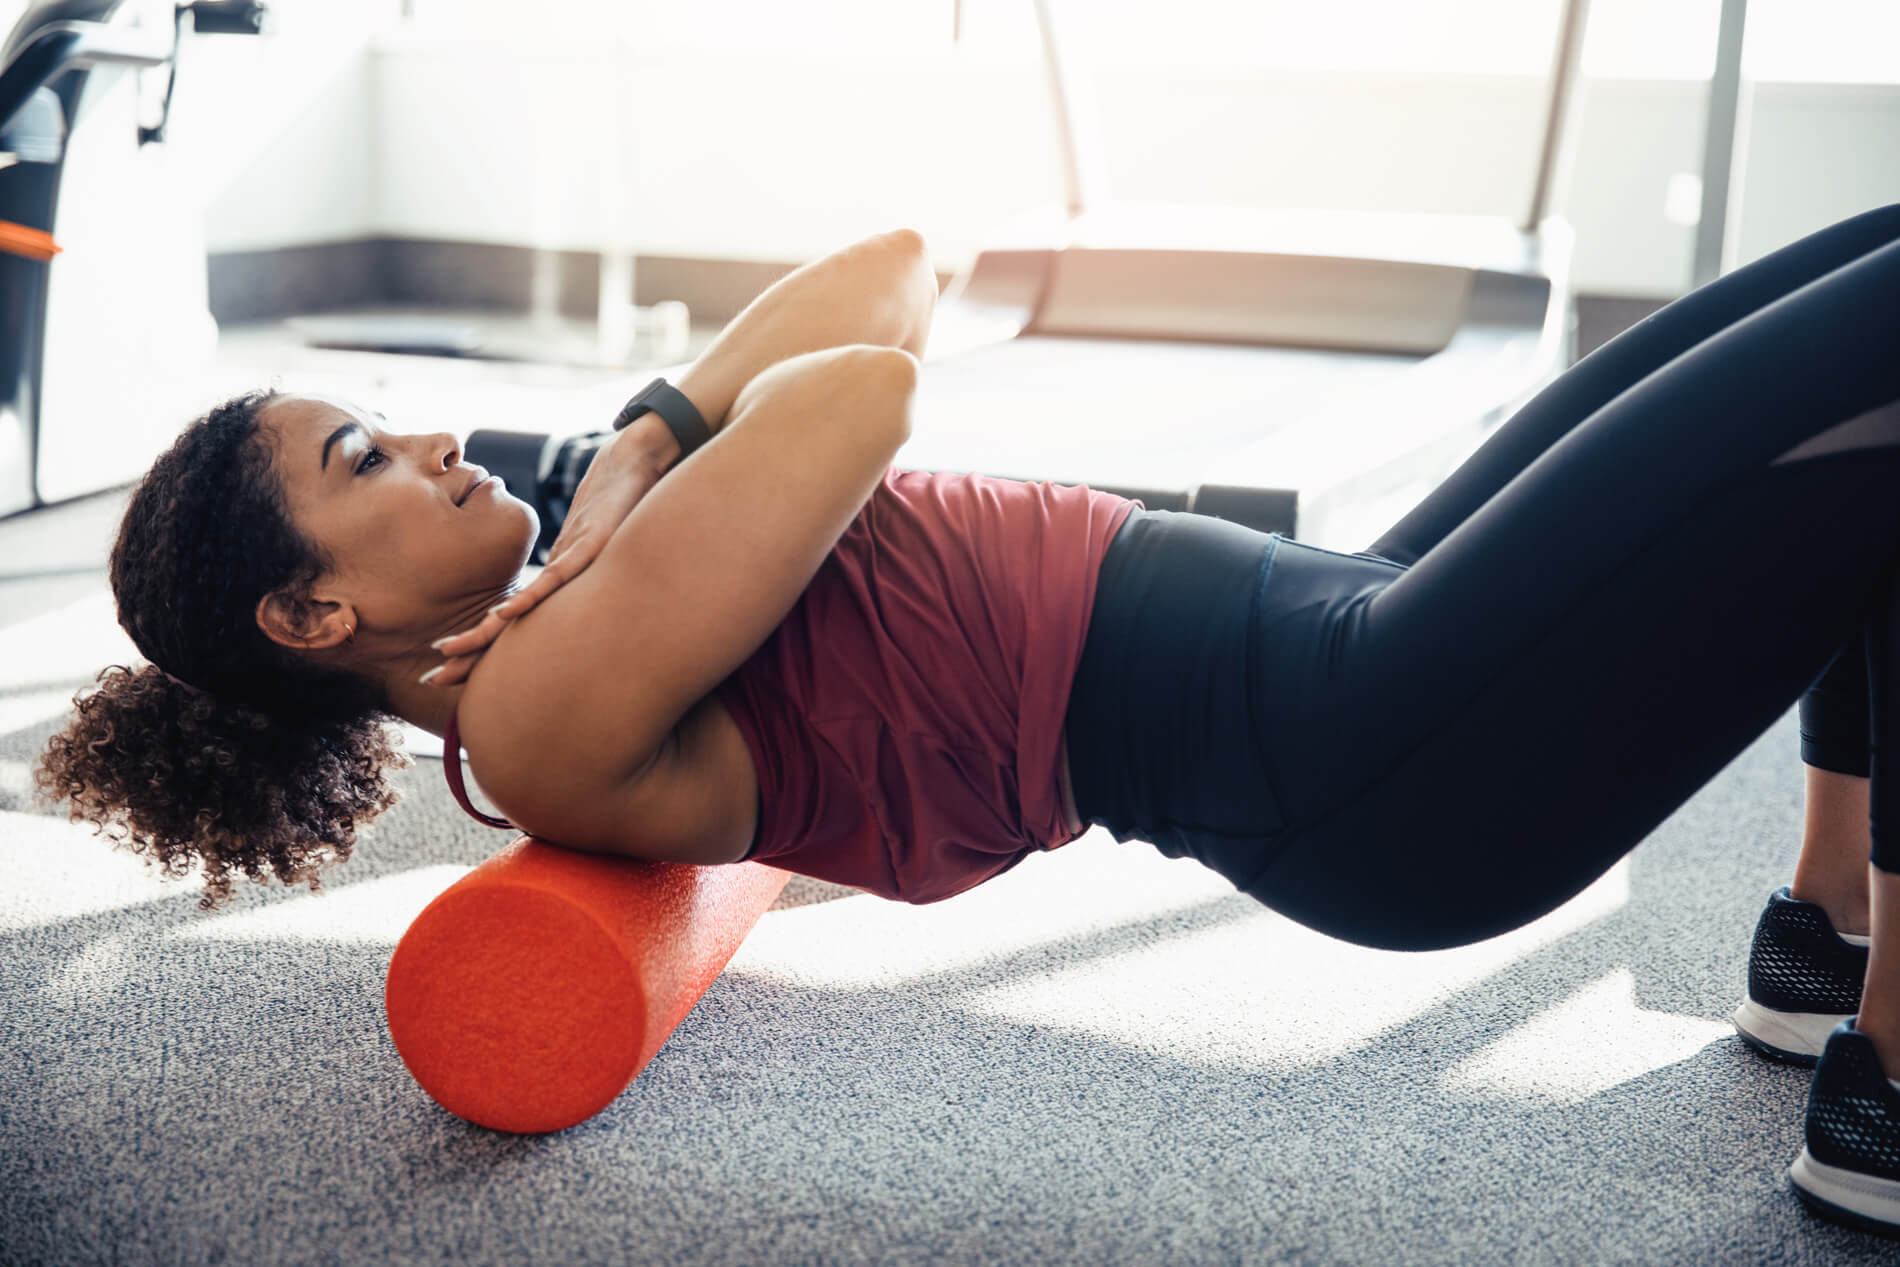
{"x": 1456, "y": 731}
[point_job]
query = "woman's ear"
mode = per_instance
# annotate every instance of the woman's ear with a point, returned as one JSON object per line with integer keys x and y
{"x": 303, "y": 626}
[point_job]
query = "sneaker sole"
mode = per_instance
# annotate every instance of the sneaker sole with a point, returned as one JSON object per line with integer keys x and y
{"x": 1848, "y": 1196}
{"x": 1796, "y": 1037}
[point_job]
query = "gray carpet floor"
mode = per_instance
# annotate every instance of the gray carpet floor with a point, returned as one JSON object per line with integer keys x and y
{"x": 1104, "y": 1056}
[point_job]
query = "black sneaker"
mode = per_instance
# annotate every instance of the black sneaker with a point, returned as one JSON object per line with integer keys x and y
{"x": 1849, "y": 1169}
{"x": 1803, "y": 981}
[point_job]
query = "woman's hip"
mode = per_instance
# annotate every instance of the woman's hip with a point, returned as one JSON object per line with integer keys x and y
{"x": 1175, "y": 714}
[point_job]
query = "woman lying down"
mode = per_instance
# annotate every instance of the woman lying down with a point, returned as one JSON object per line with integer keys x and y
{"x": 756, "y": 638}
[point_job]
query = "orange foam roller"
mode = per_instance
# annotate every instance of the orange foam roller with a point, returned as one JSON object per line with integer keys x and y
{"x": 531, "y": 991}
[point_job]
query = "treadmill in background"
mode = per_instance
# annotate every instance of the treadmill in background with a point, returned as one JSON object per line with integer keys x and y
{"x": 105, "y": 329}
{"x": 1314, "y": 372}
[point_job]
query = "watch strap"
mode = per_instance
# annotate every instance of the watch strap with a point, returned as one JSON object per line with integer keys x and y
{"x": 679, "y": 414}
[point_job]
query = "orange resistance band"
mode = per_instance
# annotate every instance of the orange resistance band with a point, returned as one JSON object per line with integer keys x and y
{"x": 35, "y": 244}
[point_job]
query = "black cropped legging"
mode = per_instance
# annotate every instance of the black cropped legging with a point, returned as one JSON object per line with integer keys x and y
{"x": 1457, "y": 730}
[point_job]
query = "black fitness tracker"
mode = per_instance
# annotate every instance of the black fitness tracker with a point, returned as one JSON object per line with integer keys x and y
{"x": 681, "y": 418}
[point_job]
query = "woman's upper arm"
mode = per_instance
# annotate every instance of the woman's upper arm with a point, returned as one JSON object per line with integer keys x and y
{"x": 695, "y": 579}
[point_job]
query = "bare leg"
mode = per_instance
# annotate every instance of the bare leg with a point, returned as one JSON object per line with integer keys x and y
{"x": 1880, "y": 998}
{"x": 1858, "y": 897}
{"x": 1832, "y": 871}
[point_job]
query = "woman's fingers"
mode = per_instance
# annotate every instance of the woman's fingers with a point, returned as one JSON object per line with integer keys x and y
{"x": 460, "y": 651}
{"x": 568, "y": 560}
{"x": 451, "y": 672}
{"x": 473, "y": 639}
{"x": 517, "y": 605}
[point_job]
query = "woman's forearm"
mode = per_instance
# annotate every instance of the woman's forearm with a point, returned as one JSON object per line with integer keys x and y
{"x": 882, "y": 291}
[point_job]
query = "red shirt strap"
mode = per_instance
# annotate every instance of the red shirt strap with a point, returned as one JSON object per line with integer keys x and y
{"x": 452, "y": 766}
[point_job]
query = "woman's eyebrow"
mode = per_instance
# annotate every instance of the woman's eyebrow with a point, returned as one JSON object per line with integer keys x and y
{"x": 336, "y": 435}
{"x": 342, "y": 431}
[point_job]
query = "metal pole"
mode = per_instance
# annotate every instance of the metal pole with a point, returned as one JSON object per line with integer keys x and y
{"x": 1718, "y": 146}
{"x": 1072, "y": 106}
{"x": 1563, "y": 83}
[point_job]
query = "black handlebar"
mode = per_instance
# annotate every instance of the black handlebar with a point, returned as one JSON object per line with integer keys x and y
{"x": 52, "y": 49}
{"x": 59, "y": 46}
{"x": 228, "y": 17}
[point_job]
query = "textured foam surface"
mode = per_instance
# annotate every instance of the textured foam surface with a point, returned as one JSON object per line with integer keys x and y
{"x": 531, "y": 992}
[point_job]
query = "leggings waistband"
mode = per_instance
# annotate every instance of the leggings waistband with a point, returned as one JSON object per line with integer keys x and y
{"x": 1205, "y": 664}
{"x": 1160, "y": 714}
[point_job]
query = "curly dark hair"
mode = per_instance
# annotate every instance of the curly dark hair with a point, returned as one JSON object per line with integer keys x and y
{"x": 267, "y": 759}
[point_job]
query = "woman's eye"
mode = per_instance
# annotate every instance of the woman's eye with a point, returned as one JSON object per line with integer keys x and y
{"x": 373, "y": 453}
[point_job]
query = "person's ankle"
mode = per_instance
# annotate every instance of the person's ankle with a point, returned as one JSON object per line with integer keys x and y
{"x": 1847, "y": 910}
{"x": 1886, "y": 1041}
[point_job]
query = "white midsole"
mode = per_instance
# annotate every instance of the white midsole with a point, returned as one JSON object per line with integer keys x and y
{"x": 1802, "y": 1033}
{"x": 1865, "y": 1195}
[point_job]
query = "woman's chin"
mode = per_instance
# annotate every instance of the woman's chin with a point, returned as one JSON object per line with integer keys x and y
{"x": 528, "y": 528}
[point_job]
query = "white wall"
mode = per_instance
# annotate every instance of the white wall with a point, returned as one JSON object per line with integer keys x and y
{"x": 277, "y": 134}
{"x": 1819, "y": 153}
{"x": 350, "y": 123}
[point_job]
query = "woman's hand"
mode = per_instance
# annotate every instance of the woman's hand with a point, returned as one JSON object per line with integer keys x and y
{"x": 623, "y": 471}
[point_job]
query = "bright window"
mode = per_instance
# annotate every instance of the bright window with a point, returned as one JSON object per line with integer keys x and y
{"x": 1823, "y": 41}
{"x": 1829, "y": 41}
{"x": 745, "y": 27}
{"x": 1802, "y": 40}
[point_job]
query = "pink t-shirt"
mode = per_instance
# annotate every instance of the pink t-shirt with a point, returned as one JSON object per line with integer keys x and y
{"x": 906, "y": 717}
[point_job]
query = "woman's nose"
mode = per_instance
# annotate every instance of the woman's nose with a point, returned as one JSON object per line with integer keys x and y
{"x": 451, "y": 448}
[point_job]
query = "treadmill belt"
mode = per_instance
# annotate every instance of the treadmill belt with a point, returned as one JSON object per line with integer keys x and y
{"x": 1136, "y": 413}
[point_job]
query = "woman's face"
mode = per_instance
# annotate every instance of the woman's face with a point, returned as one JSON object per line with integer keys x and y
{"x": 384, "y": 504}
